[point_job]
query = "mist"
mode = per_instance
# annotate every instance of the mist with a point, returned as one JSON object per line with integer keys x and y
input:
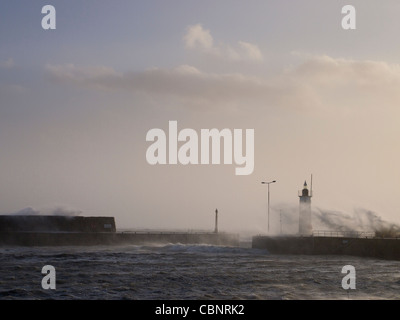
{"x": 359, "y": 220}
{"x": 55, "y": 211}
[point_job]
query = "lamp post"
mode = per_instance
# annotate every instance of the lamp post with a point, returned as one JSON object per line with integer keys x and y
{"x": 268, "y": 183}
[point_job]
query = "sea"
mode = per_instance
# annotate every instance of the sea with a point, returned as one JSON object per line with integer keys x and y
{"x": 190, "y": 272}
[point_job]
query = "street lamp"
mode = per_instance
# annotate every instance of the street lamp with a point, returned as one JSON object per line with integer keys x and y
{"x": 268, "y": 183}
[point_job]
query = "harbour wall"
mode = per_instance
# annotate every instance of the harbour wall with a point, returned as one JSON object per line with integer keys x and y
{"x": 118, "y": 238}
{"x": 380, "y": 248}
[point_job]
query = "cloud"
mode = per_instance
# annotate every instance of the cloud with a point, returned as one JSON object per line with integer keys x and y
{"x": 251, "y": 51}
{"x": 184, "y": 82}
{"x": 80, "y": 75}
{"x": 330, "y": 71}
{"x": 319, "y": 82}
{"x": 350, "y": 84}
{"x": 198, "y": 38}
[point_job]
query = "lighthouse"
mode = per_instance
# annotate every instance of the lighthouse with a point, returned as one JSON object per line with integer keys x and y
{"x": 305, "y": 227}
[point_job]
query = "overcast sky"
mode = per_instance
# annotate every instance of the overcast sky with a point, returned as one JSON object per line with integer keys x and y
{"x": 77, "y": 102}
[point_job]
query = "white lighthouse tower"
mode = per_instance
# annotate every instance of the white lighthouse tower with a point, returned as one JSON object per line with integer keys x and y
{"x": 305, "y": 226}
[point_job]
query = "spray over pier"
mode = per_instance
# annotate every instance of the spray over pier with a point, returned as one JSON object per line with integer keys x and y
{"x": 309, "y": 242}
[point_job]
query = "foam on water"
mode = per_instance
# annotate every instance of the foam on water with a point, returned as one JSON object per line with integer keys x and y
{"x": 212, "y": 249}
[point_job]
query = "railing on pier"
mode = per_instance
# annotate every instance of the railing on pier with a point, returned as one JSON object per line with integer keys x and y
{"x": 161, "y": 231}
{"x": 344, "y": 234}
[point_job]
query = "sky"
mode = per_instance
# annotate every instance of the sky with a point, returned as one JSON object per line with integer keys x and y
{"x": 77, "y": 102}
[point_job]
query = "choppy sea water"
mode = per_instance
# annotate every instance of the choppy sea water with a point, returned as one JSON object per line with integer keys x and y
{"x": 174, "y": 271}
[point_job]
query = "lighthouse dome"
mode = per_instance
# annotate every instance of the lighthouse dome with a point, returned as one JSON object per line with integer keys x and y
{"x": 305, "y": 190}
